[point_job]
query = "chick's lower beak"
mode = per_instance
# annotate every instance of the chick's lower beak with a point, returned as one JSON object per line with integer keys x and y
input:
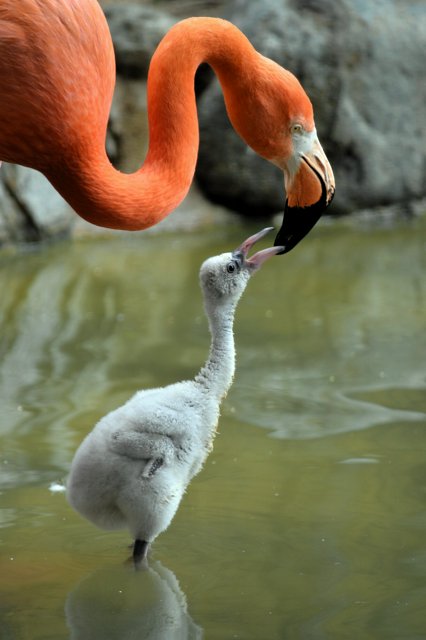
{"x": 255, "y": 261}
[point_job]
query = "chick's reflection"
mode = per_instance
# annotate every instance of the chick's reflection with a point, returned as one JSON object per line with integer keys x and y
{"x": 121, "y": 604}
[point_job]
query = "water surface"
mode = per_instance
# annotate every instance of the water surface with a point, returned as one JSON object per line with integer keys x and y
{"x": 309, "y": 518}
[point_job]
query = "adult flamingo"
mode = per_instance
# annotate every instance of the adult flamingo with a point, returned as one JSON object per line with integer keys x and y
{"x": 57, "y": 76}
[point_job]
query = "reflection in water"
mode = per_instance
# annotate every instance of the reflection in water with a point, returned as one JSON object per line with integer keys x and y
{"x": 115, "y": 603}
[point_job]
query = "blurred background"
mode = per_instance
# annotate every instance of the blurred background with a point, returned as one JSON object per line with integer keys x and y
{"x": 308, "y": 520}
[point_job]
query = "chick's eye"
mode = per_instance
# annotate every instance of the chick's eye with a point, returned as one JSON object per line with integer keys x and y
{"x": 296, "y": 128}
{"x": 231, "y": 267}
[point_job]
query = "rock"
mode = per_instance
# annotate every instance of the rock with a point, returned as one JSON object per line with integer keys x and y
{"x": 127, "y": 141}
{"x": 12, "y": 224}
{"x": 136, "y": 32}
{"x": 362, "y": 64}
{"x": 228, "y": 171}
{"x": 31, "y": 210}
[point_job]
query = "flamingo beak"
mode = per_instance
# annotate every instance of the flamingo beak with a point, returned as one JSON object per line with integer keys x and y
{"x": 309, "y": 193}
{"x": 256, "y": 260}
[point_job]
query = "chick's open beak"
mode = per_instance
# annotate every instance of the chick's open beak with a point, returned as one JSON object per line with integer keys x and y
{"x": 309, "y": 193}
{"x": 256, "y": 260}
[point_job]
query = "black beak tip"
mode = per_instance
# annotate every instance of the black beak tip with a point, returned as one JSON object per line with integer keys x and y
{"x": 284, "y": 244}
{"x": 298, "y": 221}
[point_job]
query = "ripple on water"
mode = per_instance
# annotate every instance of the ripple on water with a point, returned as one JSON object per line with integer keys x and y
{"x": 286, "y": 409}
{"x": 360, "y": 461}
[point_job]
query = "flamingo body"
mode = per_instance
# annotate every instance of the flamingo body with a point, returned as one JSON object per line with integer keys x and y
{"x": 57, "y": 76}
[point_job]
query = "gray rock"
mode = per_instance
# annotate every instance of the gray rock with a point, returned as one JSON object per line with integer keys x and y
{"x": 12, "y": 224}
{"x": 136, "y": 32}
{"x": 362, "y": 64}
{"x": 30, "y": 208}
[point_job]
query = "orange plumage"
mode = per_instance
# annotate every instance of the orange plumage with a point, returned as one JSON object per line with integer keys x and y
{"x": 57, "y": 76}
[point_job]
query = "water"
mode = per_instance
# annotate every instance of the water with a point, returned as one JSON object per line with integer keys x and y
{"x": 308, "y": 520}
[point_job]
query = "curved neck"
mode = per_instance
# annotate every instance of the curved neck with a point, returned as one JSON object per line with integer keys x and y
{"x": 104, "y": 196}
{"x": 218, "y": 372}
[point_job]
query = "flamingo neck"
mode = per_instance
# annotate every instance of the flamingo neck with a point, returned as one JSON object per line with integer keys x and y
{"x": 218, "y": 372}
{"x": 106, "y": 197}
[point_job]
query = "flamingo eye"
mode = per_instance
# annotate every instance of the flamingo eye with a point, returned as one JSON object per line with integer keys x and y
{"x": 296, "y": 128}
{"x": 231, "y": 267}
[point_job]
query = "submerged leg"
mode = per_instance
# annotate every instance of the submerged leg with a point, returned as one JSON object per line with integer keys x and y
{"x": 140, "y": 551}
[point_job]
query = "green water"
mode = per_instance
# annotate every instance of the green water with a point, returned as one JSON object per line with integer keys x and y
{"x": 309, "y": 518}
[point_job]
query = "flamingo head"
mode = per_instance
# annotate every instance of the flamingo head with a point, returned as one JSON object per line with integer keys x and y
{"x": 277, "y": 121}
{"x": 309, "y": 183}
{"x": 224, "y": 277}
{"x": 293, "y": 145}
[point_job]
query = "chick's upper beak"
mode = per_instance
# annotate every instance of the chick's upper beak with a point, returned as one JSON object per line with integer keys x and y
{"x": 255, "y": 261}
{"x": 309, "y": 193}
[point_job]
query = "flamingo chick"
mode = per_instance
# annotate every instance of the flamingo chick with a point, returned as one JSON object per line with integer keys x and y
{"x": 132, "y": 470}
